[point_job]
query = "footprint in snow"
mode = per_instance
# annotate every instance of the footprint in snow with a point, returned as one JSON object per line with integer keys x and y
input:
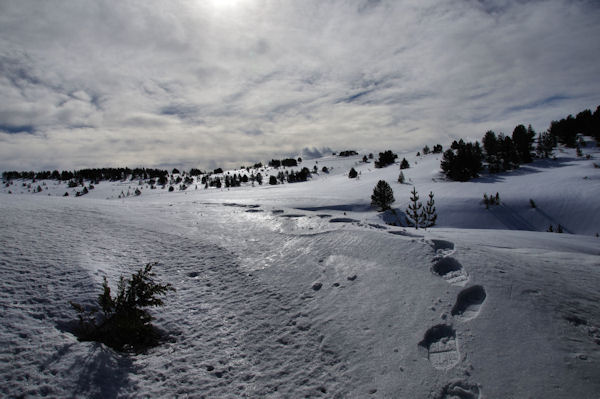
{"x": 461, "y": 390}
{"x": 442, "y": 348}
{"x": 468, "y": 303}
{"x": 442, "y": 248}
{"x": 450, "y": 270}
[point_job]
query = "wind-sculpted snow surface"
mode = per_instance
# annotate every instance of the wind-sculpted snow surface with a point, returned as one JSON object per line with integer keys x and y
{"x": 269, "y": 306}
{"x": 227, "y": 334}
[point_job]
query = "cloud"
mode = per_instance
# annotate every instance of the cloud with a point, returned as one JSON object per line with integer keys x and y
{"x": 194, "y": 84}
{"x": 312, "y": 153}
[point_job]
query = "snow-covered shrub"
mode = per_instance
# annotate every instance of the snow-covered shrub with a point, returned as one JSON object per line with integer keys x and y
{"x": 124, "y": 323}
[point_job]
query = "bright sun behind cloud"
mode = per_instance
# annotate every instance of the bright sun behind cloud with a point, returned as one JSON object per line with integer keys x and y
{"x": 227, "y": 4}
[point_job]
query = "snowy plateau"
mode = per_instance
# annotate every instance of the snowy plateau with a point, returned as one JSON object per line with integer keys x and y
{"x": 303, "y": 290}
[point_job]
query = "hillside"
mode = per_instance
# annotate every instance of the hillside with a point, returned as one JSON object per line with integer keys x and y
{"x": 303, "y": 290}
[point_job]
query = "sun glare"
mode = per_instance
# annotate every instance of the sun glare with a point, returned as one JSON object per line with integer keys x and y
{"x": 227, "y": 4}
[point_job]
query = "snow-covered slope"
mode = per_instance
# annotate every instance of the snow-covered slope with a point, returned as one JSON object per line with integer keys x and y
{"x": 302, "y": 290}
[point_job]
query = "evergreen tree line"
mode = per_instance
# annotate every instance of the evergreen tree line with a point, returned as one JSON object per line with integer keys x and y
{"x": 290, "y": 177}
{"x": 234, "y": 180}
{"x": 565, "y": 130}
{"x": 276, "y": 163}
{"x": 464, "y": 161}
{"x": 97, "y": 174}
{"x": 504, "y": 153}
{"x": 437, "y": 149}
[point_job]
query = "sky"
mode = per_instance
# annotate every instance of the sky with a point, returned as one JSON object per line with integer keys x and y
{"x": 224, "y": 83}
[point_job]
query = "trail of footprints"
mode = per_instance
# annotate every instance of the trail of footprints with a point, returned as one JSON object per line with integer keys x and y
{"x": 440, "y": 342}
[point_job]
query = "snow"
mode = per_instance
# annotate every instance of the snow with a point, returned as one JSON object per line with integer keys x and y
{"x": 302, "y": 290}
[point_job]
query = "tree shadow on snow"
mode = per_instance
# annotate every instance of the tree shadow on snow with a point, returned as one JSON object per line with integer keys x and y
{"x": 537, "y": 166}
{"x": 101, "y": 373}
{"x": 552, "y": 220}
{"x": 394, "y": 217}
{"x": 360, "y": 207}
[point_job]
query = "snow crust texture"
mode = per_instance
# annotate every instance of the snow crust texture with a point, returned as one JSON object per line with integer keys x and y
{"x": 302, "y": 290}
{"x": 441, "y": 341}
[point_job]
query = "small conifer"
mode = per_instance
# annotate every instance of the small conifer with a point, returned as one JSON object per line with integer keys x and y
{"x": 125, "y": 323}
{"x": 430, "y": 215}
{"x": 383, "y": 196}
{"x": 401, "y": 178}
{"x": 414, "y": 211}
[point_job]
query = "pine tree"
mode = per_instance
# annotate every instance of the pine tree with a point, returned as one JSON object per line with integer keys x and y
{"x": 353, "y": 173}
{"x": 383, "y": 196}
{"x": 429, "y": 213}
{"x": 491, "y": 148}
{"x": 523, "y": 142}
{"x": 414, "y": 211}
{"x": 545, "y": 144}
{"x": 125, "y": 323}
{"x": 462, "y": 161}
{"x": 401, "y": 178}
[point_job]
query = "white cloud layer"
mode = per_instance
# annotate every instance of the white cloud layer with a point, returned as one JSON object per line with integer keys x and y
{"x": 205, "y": 83}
